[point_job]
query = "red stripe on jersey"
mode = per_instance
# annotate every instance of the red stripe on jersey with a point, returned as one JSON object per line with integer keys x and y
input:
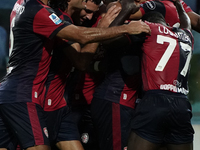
{"x": 66, "y": 14}
{"x": 185, "y": 6}
{"x": 13, "y": 13}
{"x": 116, "y": 126}
{"x": 91, "y": 81}
{"x": 130, "y": 91}
{"x": 40, "y": 2}
{"x": 43, "y": 25}
{"x": 38, "y": 90}
{"x": 142, "y": 11}
{"x": 54, "y": 98}
{"x": 35, "y": 124}
{"x": 98, "y": 19}
{"x": 86, "y": 86}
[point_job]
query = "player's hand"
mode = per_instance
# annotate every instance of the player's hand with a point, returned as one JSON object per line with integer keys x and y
{"x": 108, "y": 18}
{"x": 137, "y": 27}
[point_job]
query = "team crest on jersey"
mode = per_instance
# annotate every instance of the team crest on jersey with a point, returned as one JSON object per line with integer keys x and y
{"x": 55, "y": 18}
{"x": 85, "y": 138}
{"x": 151, "y": 5}
{"x": 46, "y": 132}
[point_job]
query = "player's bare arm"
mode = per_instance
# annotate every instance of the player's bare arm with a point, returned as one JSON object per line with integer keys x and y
{"x": 137, "y": 14}
{"x": 128, "y": 7}
{"x": 184, "y": 18}
{"x": 85, "y": 35}
{"x": 195, "y": 20}
{"x": 81, "y": 57}
{"x": 124, "y": 14}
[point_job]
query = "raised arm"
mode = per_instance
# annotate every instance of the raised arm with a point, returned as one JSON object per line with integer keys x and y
{"x": 128, "y": 7}
{"x": 195, "y": 20}
{"x": 81, "y": 56}
{"x": 184, "y": 18}
{"x": 85, "y": 35}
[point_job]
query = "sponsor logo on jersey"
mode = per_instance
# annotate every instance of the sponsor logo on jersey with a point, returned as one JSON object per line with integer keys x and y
{"x": 55, "y": 18}
{"x": 19, "y": 9}
{"x": 85, "y": 138}
{"x": 45, "y": 131}
{"x": 151, "y": 5}
{"x": 125, "y": 148}
{"x": 173, "y": 88}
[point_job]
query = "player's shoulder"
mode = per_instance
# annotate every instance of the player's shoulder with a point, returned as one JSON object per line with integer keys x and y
{"x": 32, "y": 7}
{"x": 152, "y": 25}
{"x": 63, "y": 15}
{"x": 33, "y": 4}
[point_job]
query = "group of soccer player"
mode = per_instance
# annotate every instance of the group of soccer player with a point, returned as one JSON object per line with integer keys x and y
{"x": 93, "y": 68}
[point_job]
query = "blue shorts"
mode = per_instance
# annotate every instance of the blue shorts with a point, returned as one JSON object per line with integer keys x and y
{"x": 164, "y": 117}
{"x": 61, "y": 125}
{"x": 86, "y": 128}
{"x": 7, "y": 139}
{"x": 23, "y": 122}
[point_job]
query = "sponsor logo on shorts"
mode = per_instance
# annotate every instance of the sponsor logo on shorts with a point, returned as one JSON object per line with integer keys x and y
{"x": 46, "y": 132}
{"x": 55, "y": 18}
{"x": 85, "y": 138}
{"x": 151, "y": 5}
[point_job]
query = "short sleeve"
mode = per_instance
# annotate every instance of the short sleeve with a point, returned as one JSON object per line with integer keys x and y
{"x": 186, "y": 7}
{"x": 47, "y": 23}
{"x": 149, "y": 6}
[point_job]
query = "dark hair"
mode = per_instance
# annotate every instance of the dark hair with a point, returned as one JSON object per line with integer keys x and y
{"x": 61, "y": 4}
{"x": 97, "y": 2}
{"x": 154, "y": 17}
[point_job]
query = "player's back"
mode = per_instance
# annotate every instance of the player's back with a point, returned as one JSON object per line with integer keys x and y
{"x": 166, "y": 56}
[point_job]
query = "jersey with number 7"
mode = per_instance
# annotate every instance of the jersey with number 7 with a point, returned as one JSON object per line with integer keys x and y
{"x": 166, "y": 59}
